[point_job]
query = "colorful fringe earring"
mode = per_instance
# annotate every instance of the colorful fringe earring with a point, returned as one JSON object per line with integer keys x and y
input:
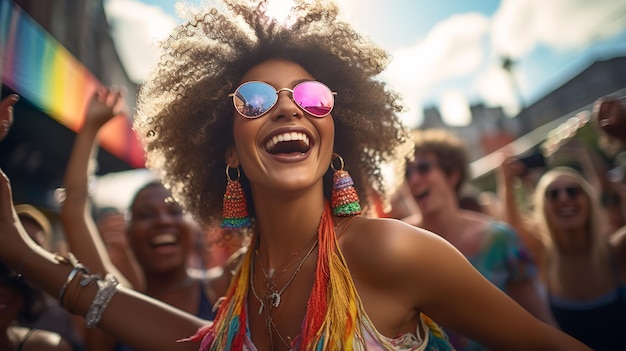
{"x": 235, "y": 209}
{"x": 345, "y": 201}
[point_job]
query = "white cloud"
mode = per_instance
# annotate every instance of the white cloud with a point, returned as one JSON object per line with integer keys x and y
{"x": 453, "y": 48}
{"x": 520, "y": 25}
{"x": 456, "y": 48}
{"x": 455, "y": 109}
{"x": 496, "y": 87}
{"x": 135, "y": 28}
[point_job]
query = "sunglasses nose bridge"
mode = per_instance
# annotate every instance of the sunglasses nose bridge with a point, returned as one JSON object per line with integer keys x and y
{"x": 281, "y": 90}
{"x": 290, "y": 98}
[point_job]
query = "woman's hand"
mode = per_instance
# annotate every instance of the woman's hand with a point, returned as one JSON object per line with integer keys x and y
{"x": 510, "y": 167}
{"x": 6, "y": 114}
{"x": 103, "y": 106}
{"x": 610, "y": 116}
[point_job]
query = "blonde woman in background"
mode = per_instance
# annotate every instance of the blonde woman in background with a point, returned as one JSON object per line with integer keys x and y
{"x": 580, "y": 269}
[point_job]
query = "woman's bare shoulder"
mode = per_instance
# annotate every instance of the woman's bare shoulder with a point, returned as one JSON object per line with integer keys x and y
{"x": 389, "y": 247}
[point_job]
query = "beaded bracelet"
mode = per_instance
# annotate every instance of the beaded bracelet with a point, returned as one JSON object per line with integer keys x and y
{"x": 106, "y": 289}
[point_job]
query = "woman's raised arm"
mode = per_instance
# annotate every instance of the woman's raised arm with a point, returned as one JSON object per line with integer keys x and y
{"x": 138, "y": 321}
{"x": 81, "y": 232}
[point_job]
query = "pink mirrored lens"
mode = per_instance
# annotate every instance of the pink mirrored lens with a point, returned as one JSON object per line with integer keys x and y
{"x": 314, "y": 97}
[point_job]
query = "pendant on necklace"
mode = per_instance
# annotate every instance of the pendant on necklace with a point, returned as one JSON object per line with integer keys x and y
{"x": 270, "y": 273}
{"x": 260, "y": 307}
{"x": 274, "y": 299}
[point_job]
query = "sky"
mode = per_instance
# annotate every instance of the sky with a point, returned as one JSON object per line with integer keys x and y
{"x": 446, "y": 54}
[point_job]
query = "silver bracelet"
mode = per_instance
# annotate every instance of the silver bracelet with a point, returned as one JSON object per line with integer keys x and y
{"x": 106, "y": 289}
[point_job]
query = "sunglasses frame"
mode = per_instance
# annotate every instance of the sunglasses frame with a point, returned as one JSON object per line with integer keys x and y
{"x": 278, "y": 91}
{"x": 571, "y": 192}
{"x": 422, "y": 167}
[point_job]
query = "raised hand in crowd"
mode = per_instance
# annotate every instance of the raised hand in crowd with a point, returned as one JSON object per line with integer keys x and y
{"x": 263, "y": 112}
{"x": 610, "y": 116}
{"x": 6, "y": 114}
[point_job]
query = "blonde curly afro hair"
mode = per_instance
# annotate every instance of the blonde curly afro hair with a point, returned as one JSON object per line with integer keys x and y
{"x": 185, "y": 118}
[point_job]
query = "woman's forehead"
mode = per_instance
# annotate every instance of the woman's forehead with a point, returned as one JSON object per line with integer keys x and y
{"x": 277, "y": 72}
{"x": 563, "y": 180}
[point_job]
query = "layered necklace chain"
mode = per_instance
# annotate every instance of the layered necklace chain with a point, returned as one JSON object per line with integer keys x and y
{"x": 273, "y": 295}
{"x": 272, "y": 298}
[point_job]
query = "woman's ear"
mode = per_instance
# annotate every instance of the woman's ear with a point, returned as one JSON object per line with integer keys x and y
{"x": 231, "y": 157}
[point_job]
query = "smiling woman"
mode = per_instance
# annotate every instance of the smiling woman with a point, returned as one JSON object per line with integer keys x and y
{"x": 313, "y": 277}
{"x": 150, "y": 251}
{"x": 582, "y": 271}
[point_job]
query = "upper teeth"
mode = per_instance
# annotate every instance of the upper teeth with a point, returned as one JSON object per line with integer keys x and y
{"x": 286, "y": 137}
{"x": 164, "y": 238}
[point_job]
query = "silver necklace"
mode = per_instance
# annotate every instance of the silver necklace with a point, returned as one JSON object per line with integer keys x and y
{"x": 274, "y": 296}
{"x": 286, "y": 264}
{"x": 269, "y": 273}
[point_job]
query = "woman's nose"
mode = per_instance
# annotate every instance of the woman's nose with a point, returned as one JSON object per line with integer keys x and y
{"x": 285, "y": 106}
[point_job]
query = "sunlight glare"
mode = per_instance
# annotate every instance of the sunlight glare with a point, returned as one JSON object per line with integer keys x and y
{"x": 279, "y": 9}
{"x": 455, "y": 109}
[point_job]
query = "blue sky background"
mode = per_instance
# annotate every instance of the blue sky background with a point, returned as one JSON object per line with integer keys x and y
{"x": 446, "y": 53}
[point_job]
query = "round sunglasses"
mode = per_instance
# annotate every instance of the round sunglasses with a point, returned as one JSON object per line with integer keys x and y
{"x": 254, "y": 98}
{"x": 421, "y": 167}
{"x": 571, "y": 192}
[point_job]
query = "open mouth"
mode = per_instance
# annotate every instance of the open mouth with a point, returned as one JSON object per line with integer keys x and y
{"x": 566, "y": 212}
{"x": 164, "y": 240}
{"x": 288, "y": 143}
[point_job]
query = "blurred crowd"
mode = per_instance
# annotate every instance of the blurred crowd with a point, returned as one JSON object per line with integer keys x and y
{"x": 550, "y": 233}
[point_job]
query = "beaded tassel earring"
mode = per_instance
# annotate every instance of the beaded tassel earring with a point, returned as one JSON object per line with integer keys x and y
{"x": 345, "y": 201}
{"x": 235, "y": 210}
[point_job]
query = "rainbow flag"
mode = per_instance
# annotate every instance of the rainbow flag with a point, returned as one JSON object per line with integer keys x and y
{"x": 36, "y": 66}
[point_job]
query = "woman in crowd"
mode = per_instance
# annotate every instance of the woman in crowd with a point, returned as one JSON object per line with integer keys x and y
{"x": 436, "y": 178}
{"x": 581, "y": 270}
{"x": 276, "y": 113}
{"x": 158, "y": 236}
{"x": 21, "y": 303}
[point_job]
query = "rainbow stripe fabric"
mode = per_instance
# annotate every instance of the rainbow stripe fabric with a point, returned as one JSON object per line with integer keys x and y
{"x": 36, "y": 66}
